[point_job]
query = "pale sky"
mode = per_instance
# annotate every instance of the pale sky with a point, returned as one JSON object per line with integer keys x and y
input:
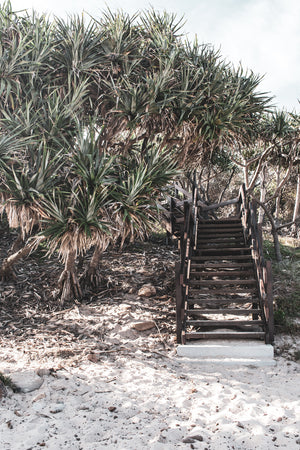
{"x": 264, "y": 35}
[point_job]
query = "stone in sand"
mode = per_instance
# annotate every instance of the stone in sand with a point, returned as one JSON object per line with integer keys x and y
{"x": 143, "y": 326}
{"x": 147, "y": 291}
{"x": 26, "y": 381}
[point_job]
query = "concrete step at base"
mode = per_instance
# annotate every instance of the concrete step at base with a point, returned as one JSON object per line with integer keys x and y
{"x": 228, "y": 352}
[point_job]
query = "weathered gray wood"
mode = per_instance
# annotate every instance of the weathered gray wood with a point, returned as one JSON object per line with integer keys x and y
{"x": 222, "y": 282}
{"x": 222, "y": 301}
{"x": 179, "y": 301}
{"x": 226, "y": 273}
{"x": 183, "y": 191}
{"x": 270, "y": 315}
{"x": 224, "y": 250}
{"x": 222, "y": 265}
{"x": 225, "y": 291}
{"x": 223, "y": 323}
{"x": 223, "y": 311}
{"x": 219, "y": 205}
{"x": 221, "y": 257}
{"x": 226, "y": 335}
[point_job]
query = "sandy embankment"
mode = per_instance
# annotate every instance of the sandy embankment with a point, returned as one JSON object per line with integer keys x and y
{"x": 149, "y": 401}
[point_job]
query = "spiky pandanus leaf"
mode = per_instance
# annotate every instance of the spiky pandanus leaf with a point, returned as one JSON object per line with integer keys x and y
{"x": 24, "y": 184}
{"x": 90, "y": 162}
{"x": 142, "y": 177}
{"x": 75, "y": 221}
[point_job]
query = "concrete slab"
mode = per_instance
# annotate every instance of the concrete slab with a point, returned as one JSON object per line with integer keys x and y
{"x": 228, "y": 352}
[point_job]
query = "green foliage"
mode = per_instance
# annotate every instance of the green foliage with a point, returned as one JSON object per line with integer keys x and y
{"x": 8, "y": 382}
{"x": 286, "y": 284}
{"x": 96, "y": 116}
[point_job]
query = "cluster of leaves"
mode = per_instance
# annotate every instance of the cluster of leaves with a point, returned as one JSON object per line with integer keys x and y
{"x": 137, "y": 75}
{"x": 94, "y": 115}
{"x": 286, "y": 284}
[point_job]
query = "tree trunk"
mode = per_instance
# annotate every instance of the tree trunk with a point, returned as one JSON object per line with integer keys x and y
{"x": 17, "y": 245}
{"x": 207, "y": 185}
{"x": 226, "y": 186}
{"x": 297, "y": 203}
{"x": 68, "y": 283}
{"x": 277, "y": 200}
{"x": 92, "y": 276}
{"x": 246, "y": 175}
{"x": 263, "y": 191}
{"x": 7, "y": 271}
{"x": 274, "y": 231}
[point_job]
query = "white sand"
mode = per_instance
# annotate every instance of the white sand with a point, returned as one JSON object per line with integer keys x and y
{"x": 159, "y": 401}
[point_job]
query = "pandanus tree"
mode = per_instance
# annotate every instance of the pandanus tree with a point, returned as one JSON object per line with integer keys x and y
{"x": 24, "y": 182}
{"x": 133, "y": 183}
{"x": 155, "y": 101}
{"x": 103, "y": 198}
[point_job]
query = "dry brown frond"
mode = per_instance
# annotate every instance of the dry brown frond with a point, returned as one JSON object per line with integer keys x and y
{"x": 79, "y": 242}
{"x": 24, "y": 217}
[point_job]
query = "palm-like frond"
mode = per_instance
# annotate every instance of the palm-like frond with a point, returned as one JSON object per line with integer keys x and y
{"x": 90, "y": 162}
{"x": 24, "y": 185}
{"x": 141, "y": 178}
{"x": 75, "y": 221}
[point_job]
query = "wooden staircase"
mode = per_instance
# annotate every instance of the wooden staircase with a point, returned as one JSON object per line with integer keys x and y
{"x": 222, "y": 299}
{"x": 223, "y": 285}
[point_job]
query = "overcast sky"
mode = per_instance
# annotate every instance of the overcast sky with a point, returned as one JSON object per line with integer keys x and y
{"x": 264, "y": 35}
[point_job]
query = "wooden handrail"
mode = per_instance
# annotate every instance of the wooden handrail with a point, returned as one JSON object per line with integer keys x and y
{"x": 218, "y": 205}
{"x": 187, "y": 242}
{"x": 263, "y": 269}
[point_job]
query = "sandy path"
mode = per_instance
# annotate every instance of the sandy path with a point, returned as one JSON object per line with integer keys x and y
{"x": 151, "y": 402}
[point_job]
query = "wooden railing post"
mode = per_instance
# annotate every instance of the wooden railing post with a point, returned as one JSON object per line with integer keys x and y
{"x": 270, "y": 318}
{"x": 179, "y": 301}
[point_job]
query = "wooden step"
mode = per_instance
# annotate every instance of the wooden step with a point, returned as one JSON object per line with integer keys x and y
{"x": 223, "y": 323}
{"x": 234, "y": 312}
{"x": 220, "y": 237}
{"x": 221, "y": 257}
{"x": 222, "y": 250}
{"x": 221, "y": 282}
{"x": 215, "y": 236}
{"x": 215, "y": 244}
{"x": 221, "y": 266}
{"x": 222, "y": 301}
{"x": 219, "y": 221}
{"x": 220, "y": 233}
{"x": 226, "y": 273}
{"x": 226, "y": 335}
{"x": 221, "y": 227}
{"x": 220, "y": 245}
{"x": 225, "y": 291}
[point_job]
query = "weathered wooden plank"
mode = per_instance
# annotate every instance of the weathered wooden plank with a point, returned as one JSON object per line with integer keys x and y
{"x": 224, "y": 250}
{"x": 228, "y": 231}
{"x": 222, "y": 282}
{"x": 270, "y": 318}
{"x": 229, "y": 311}
{"x": 226, "y": 273}
{"x": 179, "y": 301}
{"x": 222, "y": 301}
{"x": 226, "y": 335}
{"x": 214, "y": 243}
{"x": 221, "y": 257}
{"x": 221, "y": 265}
{"x": 220, "y": 221}
{"x": 217, "y": 236}
{"x": 225, "y": 291}
{"x": 223, "y": 323}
